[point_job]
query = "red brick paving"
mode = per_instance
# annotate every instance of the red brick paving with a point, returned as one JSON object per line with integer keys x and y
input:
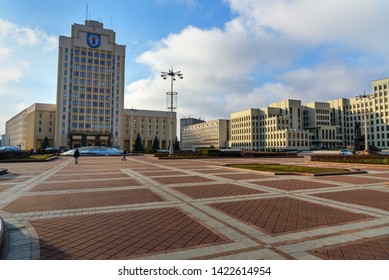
{"x": 13, "y": 179}
{"x": 90, "y": 184}
{"x": 135, "y": 233}
{"x": 219, "y": 190}
{"x": 140, "y": 232}
{"x": 81, "y": 200}
{"x": 383, "y": 175}
{"x": 181, "y": 179}
{"x": 3, "y": 188}
{"x": 283, "y": 214}
{"x": 293, "y": 184}
{"x": 211, "y": 171}
{"x": 162, "y": 173}
{"x": 373, "y": 249}
{"x": 243, "y": 176}
{"x": 352, "y": 179}
{"x": 370, "y": 198}
{"x": 86, "y": 176}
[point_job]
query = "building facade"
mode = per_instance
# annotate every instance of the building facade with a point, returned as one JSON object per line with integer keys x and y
{"x": 148, "y": 124}
{"x": 90, "y": 88}
{"x": 245, "y": 129}
{"x": 323, "y": 134}
{"x": 289, "y": 125}
{"x": 210, "y": 134}
{"x": 28, "y": 129}
{"x": 185, "y": 122}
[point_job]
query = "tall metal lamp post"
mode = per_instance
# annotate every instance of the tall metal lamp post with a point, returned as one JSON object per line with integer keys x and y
{"x": 365, "y": 97}
{"x": 173, "y": 75}
{"x": 132, "y": 110}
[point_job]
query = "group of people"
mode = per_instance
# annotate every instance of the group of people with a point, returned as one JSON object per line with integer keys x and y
{"x": 76, "y": 155}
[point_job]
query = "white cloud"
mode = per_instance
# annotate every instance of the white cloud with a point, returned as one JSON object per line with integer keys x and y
{"x": 272, "y": 50}
{"x": 26, "y": 36}
{"x": 360, "y": 24}
{"x": 27, "y": 67}
{"x": 9, "y": 75}
{"x": 5, "y": 52}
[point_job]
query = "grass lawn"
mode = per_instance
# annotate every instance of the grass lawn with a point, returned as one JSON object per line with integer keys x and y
{"x": 287, "y": 168}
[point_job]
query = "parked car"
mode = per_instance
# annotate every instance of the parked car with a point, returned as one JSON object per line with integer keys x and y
{"x": 345, "y": 152}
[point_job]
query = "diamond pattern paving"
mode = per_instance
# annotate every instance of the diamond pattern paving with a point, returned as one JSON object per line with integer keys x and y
{"x": 352, "y": 179}
{"x": 86, "y": 176}
{"x": 284, "y": 214}
{"x": 140, "y": 232}
{"x": 244, "y": 176}
{"x": 371, "y": 198}
{"x": 90, "y": 184}
{"x": 180, "y": 179}
{"x": 81, "y": 200}
{"x": 376, "y": 249}
{"x": 219, "y": 190}
{"x": 293, "y": 184}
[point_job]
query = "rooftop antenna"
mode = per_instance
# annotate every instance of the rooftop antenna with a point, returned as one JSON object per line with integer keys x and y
{"x": 111, "y": 24}
{"x": 86, "y": 15}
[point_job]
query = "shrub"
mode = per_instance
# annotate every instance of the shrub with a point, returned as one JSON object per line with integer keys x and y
{"x": 363, "y": 159}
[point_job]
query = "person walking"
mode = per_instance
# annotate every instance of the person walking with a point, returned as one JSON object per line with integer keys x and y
{"x": 76, "y": 155}
{"x": 124, "y": 155}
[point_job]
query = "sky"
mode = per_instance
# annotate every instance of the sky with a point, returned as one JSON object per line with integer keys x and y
{"x": 233, "y": 54}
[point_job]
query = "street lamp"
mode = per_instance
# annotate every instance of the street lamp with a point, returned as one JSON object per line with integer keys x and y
{"x": 364, "y": 97}
{"x": 132, "y": 110}
{"x": 172, "y": 94}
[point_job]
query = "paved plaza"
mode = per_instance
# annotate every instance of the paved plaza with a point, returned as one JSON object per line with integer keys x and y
{"x": 145, "y": 208}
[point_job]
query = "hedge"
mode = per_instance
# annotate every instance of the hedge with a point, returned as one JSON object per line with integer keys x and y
{"x": 363, "y": 159}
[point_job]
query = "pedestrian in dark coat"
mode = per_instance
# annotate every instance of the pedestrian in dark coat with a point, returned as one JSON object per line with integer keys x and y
{"x": 124, "y": 154}
{"x": 76, "y": 155}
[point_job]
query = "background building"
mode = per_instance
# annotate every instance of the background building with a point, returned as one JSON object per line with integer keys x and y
{"x": 148, "y": 124}
{"x": 245, "y": 129}
{"x": 28, "y": 129}
{"x": 283, "y": 127}
{"x": 185, "y": 122}
{"x": 90, "y": 87}
{"x": 210, "y": 134}
{"x": 322, "y": 132}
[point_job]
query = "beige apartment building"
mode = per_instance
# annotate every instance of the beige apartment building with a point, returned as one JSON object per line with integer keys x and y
{"x": 28, "y": 129}
{"x": 210, "y": 134}
{"x": 245, "y": 129}
{"x": 149, "y": 124}
{"x": 90, "y": 87}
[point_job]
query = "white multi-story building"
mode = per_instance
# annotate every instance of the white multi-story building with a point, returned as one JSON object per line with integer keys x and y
{"x": 210, "y": 134}
{"x": 289, "y": 125}
{"x": 317, "y": 120}
{"x": 185, "y": 122}
{"x": 245, "y": 129}
{"x": 90, "y": 87}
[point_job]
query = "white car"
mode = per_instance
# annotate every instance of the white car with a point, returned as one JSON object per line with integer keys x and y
{"x": 345, "y": 152}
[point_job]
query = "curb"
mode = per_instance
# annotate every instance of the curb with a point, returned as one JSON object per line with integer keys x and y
{"x": 319, "y": 174}
{"x": 2, "y": 231}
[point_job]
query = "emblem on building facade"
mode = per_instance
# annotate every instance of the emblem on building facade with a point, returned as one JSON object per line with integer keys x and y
{"x": 93, "y": 40}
